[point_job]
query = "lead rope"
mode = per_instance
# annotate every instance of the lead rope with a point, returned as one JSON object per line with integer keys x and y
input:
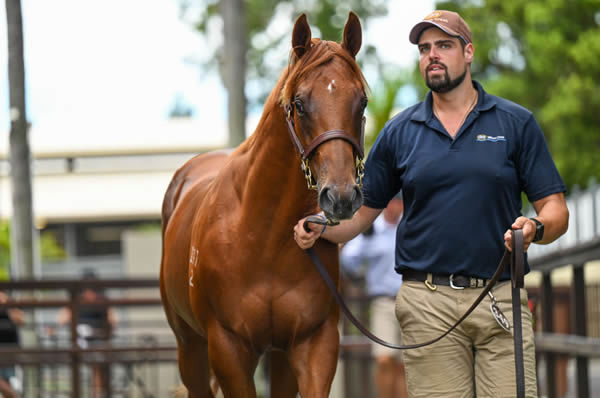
{"x": 516, "y": 261}
{"x": 517, "y": 274}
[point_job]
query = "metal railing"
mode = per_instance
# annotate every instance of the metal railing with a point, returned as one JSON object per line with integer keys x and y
{"x": 73, "y": 355}
{"x": 68, "y": 355}
{"x": 577, "y": 248}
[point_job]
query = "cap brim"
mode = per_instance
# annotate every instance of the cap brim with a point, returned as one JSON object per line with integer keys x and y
{"x": 416, "y": 31}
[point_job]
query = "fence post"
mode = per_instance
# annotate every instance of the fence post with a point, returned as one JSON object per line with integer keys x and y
{"x": 594, "y": 190}
{"x": 579, "y": 311}
{"x": 75, "y": 360}
{"x": 547, "y": 324}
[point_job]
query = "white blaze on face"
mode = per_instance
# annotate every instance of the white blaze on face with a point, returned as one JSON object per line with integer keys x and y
{"x": 331, "y": 86}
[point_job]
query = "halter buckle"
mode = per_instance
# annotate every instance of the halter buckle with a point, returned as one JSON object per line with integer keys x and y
{"x": 360, "y": 171}
{"x": 310, "y": 182}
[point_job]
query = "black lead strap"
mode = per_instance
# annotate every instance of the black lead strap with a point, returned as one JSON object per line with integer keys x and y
{"x": 517, "y": 274}
{"x": 516, "y": 261}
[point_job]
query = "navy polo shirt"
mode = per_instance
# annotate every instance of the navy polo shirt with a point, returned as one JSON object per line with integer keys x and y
{"x": 462, "y": 194}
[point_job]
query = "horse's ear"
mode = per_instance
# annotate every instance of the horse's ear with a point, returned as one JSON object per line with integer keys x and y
{"x": 352, "y": 34}
{"x": 301, "y": 36}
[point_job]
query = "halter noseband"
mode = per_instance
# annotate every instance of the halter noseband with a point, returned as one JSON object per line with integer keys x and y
{"x": 306, "y": 153}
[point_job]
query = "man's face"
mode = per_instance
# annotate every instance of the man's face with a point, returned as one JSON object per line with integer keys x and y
{"x": 442, "y": 60}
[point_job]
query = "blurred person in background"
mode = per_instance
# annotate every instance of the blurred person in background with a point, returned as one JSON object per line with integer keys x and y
{"x": 95, "y": 325}
{"x": 10, "y": 319}
{"x": 375, "y": 249}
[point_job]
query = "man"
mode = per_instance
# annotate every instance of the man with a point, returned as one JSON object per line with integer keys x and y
{"x": 375, "y": 249}
{"x": 95, "y": 326}
{"x": 10, "y": 319}
{"x": 462, "y": 158}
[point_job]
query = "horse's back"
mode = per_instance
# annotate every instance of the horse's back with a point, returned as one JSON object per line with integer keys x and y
{"x": 200, "y": 169}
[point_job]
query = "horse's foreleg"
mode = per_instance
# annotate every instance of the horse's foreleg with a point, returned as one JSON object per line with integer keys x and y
{"x": 194, "y": 368}
{"x": 314, "y": 360}
{"x": 192, "y": 353}
{"x": 233, "y": 361}
{"x": 283, "y": 380}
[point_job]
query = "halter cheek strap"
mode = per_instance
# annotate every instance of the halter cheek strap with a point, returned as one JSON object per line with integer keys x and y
{"x": 306, "y": 153}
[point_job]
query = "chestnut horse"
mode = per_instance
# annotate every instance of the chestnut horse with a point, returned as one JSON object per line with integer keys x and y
{"x": 234, "y": 284}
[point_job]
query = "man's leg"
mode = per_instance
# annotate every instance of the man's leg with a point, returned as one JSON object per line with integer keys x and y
{"x": 494, "y": 347}
{"x": 443, "y": 369}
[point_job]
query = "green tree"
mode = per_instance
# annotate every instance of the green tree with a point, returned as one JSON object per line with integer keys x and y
{"x": 264, "y": 41}
{"x": 383, "y": 100}
{"x": 544, "y": 55}
{"x": 49, "y": 248}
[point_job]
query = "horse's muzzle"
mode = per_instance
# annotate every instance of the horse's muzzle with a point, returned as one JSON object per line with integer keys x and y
{"x": 340, "y": 204}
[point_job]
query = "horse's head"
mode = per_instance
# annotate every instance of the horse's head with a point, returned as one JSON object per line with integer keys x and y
{"x": 324, "y": 99}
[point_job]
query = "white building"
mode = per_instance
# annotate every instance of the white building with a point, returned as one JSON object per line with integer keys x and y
{"x": 94, "y": 183}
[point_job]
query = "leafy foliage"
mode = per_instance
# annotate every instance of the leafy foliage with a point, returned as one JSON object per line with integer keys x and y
{"x": 267, "y": 41}
{"x": 382, "y": 101}
{"x": 544, "y": 55}
{"x": 49, "y": 248}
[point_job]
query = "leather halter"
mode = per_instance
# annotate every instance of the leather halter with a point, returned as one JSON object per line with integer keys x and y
{"x": 306, "y": 153}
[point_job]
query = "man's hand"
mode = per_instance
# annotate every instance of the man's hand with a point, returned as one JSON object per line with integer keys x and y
{"x": 17, "y": 316}
{"x": 307, "y": 239}
{"x": 528, "y": 226}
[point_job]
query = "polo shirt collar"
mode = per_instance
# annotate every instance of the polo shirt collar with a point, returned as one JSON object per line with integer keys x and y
{"x": 424, "y": 110}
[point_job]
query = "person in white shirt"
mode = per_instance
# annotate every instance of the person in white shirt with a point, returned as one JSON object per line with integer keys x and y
{"x": 375, "y": 249}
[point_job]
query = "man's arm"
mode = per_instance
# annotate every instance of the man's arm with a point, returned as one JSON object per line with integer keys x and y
{"x": 346, "y": 230}
{"x": 552, "y": 212}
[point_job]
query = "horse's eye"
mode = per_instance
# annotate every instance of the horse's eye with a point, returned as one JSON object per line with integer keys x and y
{"x": 364, "y": 103}
{"x": 299, "y": 107}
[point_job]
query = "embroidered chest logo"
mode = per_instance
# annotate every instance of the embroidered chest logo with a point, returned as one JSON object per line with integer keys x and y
{"x": 490, "y": 138}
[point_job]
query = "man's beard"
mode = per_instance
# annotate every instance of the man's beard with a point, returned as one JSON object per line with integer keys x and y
{"x": 444, "y": 84}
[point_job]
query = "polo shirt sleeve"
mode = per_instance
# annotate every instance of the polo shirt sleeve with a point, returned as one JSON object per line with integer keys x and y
{"x": 382, "y": 180}
{"x": 538, "y": 175}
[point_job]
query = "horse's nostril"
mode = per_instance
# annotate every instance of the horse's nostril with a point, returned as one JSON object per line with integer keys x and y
{"x": 326, "y": 199}
{"x": 330, "y": 195}
{"x": 338, "y": 204}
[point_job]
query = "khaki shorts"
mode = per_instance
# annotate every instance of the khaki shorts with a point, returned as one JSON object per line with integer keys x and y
{"x": 476, "y": 358}
{"x": 385, "y": 326}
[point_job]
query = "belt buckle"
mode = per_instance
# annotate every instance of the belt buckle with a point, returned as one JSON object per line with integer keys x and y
{"x": 452, "y": 285}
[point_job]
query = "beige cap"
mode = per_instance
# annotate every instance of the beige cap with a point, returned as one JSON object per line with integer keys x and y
{"x": 448, "y": 21}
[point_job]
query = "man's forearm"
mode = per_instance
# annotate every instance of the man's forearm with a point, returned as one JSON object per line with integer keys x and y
{"x": 553, "y": 213}
{"x": 348, "y": 229}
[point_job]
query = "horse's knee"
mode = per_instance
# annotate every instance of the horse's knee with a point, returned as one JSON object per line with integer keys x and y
{"x": 315, "y": 372}
{"x": 235, "y": 377}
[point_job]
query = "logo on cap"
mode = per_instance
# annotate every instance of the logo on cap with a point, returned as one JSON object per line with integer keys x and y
{"x": 434, "y": 15}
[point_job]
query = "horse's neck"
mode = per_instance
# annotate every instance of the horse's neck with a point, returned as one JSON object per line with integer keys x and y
{"x": 274, "y": 179}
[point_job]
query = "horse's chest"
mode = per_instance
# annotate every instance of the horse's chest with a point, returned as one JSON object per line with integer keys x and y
{"x": 271, "y": 315}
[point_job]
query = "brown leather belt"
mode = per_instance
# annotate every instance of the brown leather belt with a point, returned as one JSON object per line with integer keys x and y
{"x": 452, "y": 280}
